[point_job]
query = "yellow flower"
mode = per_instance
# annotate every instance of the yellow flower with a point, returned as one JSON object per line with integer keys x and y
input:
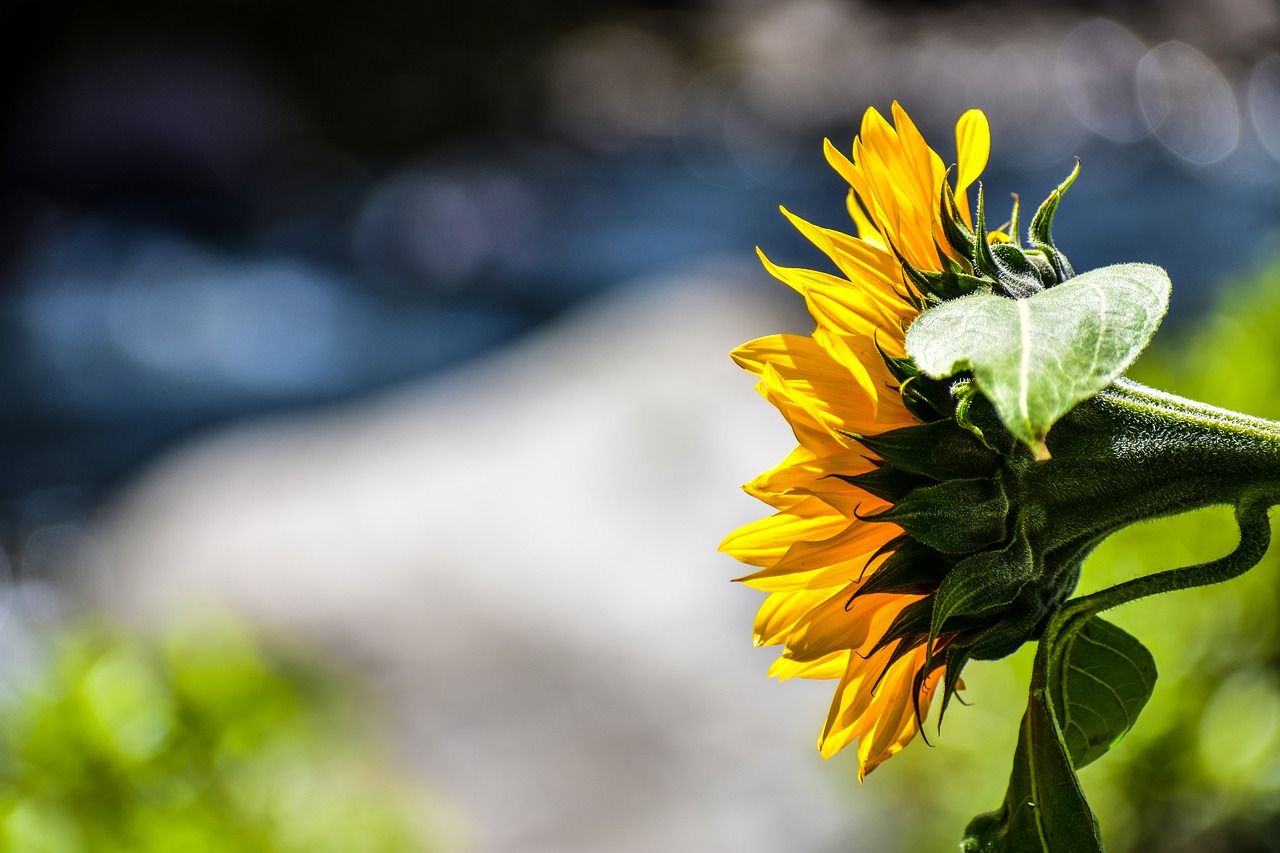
{"x": 821, "y": 548}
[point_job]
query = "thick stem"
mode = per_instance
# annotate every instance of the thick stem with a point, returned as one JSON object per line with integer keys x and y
{"x": 1131, "y": 454}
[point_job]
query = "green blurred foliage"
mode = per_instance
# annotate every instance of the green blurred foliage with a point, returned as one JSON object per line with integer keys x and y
{"x": 196, "y": 741}
{"x": 1200, "y": 771}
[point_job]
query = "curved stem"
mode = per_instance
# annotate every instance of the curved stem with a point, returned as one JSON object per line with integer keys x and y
{"x": 1255, "y": 537}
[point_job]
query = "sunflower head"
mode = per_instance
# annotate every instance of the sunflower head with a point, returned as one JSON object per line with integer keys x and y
{"x": 906, "y": 539}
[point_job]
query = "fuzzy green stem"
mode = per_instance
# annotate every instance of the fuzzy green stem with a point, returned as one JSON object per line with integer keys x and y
{"x": 1255, "y": 537}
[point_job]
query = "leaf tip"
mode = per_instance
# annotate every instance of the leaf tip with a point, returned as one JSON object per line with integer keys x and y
{"x": 1040, "y": 450}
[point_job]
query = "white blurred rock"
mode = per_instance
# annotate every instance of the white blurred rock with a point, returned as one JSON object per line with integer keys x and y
{"x": 521, "y": 555}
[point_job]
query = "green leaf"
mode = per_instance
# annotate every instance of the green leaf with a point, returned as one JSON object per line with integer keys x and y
{"x": 1100, "y": 678}
{"x": 1035, "y": 358}
{"x": 1044, "y": 808}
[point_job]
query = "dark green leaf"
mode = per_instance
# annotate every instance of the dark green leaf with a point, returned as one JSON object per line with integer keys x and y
{"x": 1044, "y": 808}
{"x": 1035, "y": 358}
{"x": 1100, "y": 678}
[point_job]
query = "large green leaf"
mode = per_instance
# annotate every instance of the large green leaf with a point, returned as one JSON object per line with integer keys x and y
{"x": 1035, "y": 358}
{"x": 1044, "y": 809}
{"x": 1100, "y": 678}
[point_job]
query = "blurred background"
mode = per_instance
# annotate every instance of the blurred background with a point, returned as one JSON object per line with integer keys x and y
{"x": 368, "y": 424}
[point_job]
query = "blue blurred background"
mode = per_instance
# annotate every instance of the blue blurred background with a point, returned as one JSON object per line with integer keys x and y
{"x": 288, "y": 239}
{"x": 212, "y": 210}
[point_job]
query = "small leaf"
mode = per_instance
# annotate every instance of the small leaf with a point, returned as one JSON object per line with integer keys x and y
{"x": 1044, "y": 807}
{"x": 1100, "y": 678}
{"x": 1035, "y": 358}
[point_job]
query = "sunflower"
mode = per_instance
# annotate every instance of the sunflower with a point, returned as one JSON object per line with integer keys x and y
{"x": 851, "y": 568}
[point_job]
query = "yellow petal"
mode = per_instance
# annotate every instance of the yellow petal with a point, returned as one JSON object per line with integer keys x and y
{"x": 805, "y": 470}
{"x": 830, "y": 627}
{"x": 846, "y": 717}
{"x": 973, "y": 146}
{"x": 829, "y": 564}
{"x": 866, "y": 229}
{"x": 875, "y": 296}
{"x": 781, "y": 611}
{"x": 869, "y": 268}
{"x": 805, "y": 421}
{"x": 831, "y": 666}
{"x": 850, "y": 311}
{"x": 821, "y": 387}
{"x": 896, "y": 723}
{"x": 764, "y": 542}
{"x": 842, "y": 164}
{"x": 927, "y": 166}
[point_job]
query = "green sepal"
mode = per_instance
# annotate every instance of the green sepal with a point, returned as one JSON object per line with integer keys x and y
{"x": 956, "y": 657}
{"x": 1040, "y": 235}
{"x": 984, "y": 263}
{"x": 976, "y": 414}
{"x": 942, "y": 285}
{"x": 1048, "y": 275}
{"x": 1017, "y": 276}
{"x": 911, "y": 624}
{"x": 901, "y": 369}
{"x": 966, "y": 392}
{"x": 887, "y": 482}
{"x": 923, "y": 281}
{"x": 943, "y": 450}
{"x": 1011, "y": 626}
{"x": 912, "y": 569}
{"x": 983, "y": 582}
{"x": 931, "y": 396}
{"x": 1014, "y": 237}
{"x": 1100, "y": 678}
{"x": 957, "y": 234}
{"x": 952, "y": 265}
{"x": 920, "y": 406}
{"x": 1014, "y": 276}
{"x": 913, "y": 297}
{"x": 955, "y": 517}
